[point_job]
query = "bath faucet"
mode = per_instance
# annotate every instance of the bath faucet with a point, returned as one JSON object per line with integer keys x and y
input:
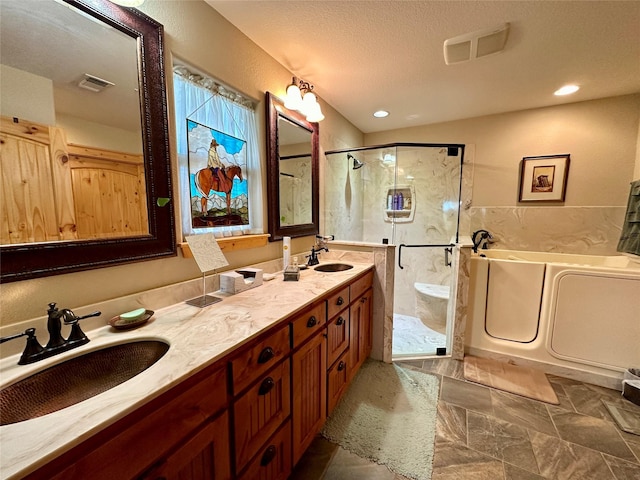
{"x": 480, "y": 236}
{"x": 34, "y": 352}
{"x": 313, "y": 258}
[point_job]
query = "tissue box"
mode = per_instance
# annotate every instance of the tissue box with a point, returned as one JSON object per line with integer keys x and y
{"x": 240, "y": 280}
{"x": 292, "y": 273}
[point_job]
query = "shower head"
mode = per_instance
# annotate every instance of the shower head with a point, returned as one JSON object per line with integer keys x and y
{"x": 356, "y": 163}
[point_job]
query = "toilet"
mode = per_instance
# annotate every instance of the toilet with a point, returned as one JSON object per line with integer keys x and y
{"x": 431, "y": 305}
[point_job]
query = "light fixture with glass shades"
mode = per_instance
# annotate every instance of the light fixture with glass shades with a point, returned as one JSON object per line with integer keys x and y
{"x": 301, "y": 98}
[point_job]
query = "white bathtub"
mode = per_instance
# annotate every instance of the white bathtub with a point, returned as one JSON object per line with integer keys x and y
{"x": 573, "y": 315}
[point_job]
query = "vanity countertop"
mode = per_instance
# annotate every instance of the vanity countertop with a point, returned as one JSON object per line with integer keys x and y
{"x": 198, "y": 338}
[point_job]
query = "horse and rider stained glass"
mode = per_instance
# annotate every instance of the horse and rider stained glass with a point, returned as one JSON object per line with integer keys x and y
{"x": 218, "y": 189}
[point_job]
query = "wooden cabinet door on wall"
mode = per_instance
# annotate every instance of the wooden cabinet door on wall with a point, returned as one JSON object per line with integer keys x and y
{"x": 37, "y": 201}
{"x": 205, "y": 456}
{"x": 309, "y": 393}
{"x": 110, "y": 194}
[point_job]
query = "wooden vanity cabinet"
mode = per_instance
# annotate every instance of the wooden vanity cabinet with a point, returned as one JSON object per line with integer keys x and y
{"x": 152, "y": 438}
{"x": 249, "y": 416}
{"x": 203, "y": 456}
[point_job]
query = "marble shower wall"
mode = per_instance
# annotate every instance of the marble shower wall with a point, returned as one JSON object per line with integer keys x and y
{"x": 295, "y": 190}
{"x": 560, "y": 229}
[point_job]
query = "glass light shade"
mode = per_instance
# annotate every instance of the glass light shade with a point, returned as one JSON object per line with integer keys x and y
{"x": 293, "y": 100}
{"x": 308, "y": 102}
{"x": 315, "y": 113}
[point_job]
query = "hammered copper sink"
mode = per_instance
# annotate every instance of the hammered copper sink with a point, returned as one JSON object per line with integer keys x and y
{"x": 333, "y": 267}
{"x": 77, "y": 379}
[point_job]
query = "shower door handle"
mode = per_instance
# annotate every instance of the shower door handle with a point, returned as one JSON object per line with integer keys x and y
{"x": 447, "y": 252}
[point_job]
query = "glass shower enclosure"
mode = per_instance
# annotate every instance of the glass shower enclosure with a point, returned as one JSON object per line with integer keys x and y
{"x": 408, "y": 195}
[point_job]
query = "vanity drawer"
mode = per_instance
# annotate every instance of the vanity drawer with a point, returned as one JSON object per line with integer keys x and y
{"x": 337, "y": 381}
{"x": 337, "y": 302}
{"x": 261, "y": 411}
{"x": 337, "y": 336}
{"x": 361, "y": 285}
{"x": 309, "y": 322}
{"x": 255, "y": 360}
{"x": 273, "y": 461}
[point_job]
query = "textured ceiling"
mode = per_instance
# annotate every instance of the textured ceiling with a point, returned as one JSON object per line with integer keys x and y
{"x": 368, "y": 55}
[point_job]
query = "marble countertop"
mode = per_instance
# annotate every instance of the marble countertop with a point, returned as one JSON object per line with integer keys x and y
{"x": 197, "y": 337}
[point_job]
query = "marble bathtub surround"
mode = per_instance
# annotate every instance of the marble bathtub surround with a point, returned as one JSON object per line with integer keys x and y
{"x": 197, "y": 337}
{"x": 582, "y": 230}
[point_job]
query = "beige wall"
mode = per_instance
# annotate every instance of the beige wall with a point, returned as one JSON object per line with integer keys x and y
{"x": 197, "y": 34}
{"x": 601, "y": 136}
{"x": 37, "y": 106}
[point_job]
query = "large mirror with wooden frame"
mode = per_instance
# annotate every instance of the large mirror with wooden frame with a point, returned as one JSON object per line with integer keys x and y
{"x": 292, "y": 172}
{"x": 84, "y": 158}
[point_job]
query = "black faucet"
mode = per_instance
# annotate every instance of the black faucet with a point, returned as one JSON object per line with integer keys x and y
{"x": 478, "y": 237}
{"x": 313, "y": 258}
{"x": 34, "y": 352}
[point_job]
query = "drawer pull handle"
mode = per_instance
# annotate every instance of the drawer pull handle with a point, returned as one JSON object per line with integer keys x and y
{"x": 340, "y": 301}
{"x": 266, "y": 386}
{"x": 341, "y": 365}
{"x": 312, "y": 322}
{"x": 363, "y": 299}
{"x": 340, "y": 321}
{"x": 268, "y": 456}
{"x": 266, "y": 355}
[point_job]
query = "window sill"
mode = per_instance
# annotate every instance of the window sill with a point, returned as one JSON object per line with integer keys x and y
{"x": 230, "y": 244}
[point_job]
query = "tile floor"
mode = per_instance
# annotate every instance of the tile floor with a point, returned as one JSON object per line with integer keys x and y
{"x": 483, "y": 433}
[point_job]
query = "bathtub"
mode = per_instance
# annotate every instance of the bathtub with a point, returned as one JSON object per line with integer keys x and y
{"x": 576, "y": 316}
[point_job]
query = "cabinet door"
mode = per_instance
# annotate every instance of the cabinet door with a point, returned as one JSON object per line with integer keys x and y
{"x": 360, "y": 338}
{"x": 205, "y": 456}
{"x": 309, "y": 393}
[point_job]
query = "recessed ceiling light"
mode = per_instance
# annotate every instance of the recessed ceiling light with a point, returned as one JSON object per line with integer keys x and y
{"x": 380, "y": 114}
{"x": 567, "y": 90}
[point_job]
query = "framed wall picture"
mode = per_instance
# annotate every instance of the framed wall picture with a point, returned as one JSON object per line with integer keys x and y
{"x": 544, "y": 179}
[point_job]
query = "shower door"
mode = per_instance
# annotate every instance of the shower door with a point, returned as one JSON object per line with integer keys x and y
{"x": 408, "y": 195}
{"x": 425, "y": 232}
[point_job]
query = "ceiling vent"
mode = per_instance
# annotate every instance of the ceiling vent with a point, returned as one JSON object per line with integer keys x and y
{"x": 475, "y": 44}
{"x": 95, "y": 84}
